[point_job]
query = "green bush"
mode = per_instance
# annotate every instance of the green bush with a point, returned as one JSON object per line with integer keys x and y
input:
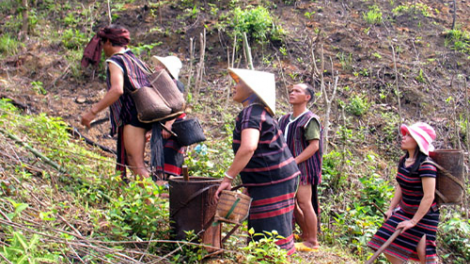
{"x": 22, "y": 250}
{"x": 256, "y": 22}
{"x": 9, "y": 46}
{"x": 458, "y": 40}
{"x": 358, "y": 105}
{"x": 74, "y": 39}
{"x": 453, "y": 235}
{"x": 374, "y": 16}
{"x": 138, "y": 212}
{"x": 264, "y": 250}
{"x": 418, "y": 8}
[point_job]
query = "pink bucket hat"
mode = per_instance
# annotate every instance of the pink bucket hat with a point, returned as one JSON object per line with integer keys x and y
{"x": 422, "y": 133}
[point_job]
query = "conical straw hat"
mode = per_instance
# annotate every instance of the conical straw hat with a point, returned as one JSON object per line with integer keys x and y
{"x": 172, "y": 64}
{"x": 261, "y": 83}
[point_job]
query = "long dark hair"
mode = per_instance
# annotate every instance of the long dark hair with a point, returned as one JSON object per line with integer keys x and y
{"x": 420, "y": 157}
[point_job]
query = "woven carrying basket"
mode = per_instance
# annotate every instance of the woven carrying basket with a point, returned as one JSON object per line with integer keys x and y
{"x": 450, "y": 186}
{"x": 162, "y": 81}
{"x": 150, "y": 104}
{"x": 233, "y": 206}
{"x": 188, "y": 131}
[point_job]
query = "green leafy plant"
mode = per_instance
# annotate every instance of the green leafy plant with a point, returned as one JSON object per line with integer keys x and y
{"x": 373, "y": 16}
{"x": 19, "y": 207}
{"x": 453, "y": 233}
{"x": 420, "y": 77}
{"x": 22, "y": 251}
{"x": 418, "y": 8}
{"x": 460, "y": 40}
{"x": 73, "y": 38}
{"x": 257, "y": 23}
{"x": 330, "y": 170}
{"x": 147, "y": 48}
{"x": 9, "y": 45}
{"x": 264, "y": 250}
{"x": 345, "y": 60}
{"x": 138, "y": 211}
{"x": 38, "y": 87}
{"x": 191, "y": 252}
{"x": 358, "y": 105}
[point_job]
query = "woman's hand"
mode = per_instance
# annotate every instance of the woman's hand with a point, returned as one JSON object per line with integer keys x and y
{"x": 226, "y": 184}
{"x": 405, "y": 225}
{"x": 148, "y": 136}
{"x": 166, "y": 134}
{"x": 388, "y": 214}
{"x": 87, "y": 117}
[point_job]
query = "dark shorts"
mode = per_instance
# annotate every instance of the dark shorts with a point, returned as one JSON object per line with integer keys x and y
{"x": 134, "y": 121}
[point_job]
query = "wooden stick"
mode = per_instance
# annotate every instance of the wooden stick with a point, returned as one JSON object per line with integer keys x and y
{"x": 248, "y": 52}
{"x": 185, "y": 173}
{"x": 384, "y": 246}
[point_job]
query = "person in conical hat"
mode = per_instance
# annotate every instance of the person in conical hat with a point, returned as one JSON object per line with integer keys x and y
{"x": 169, "y": 157}
{"x": 171, "y": 63}
{"x": 262, "y": 159}
{"x": 413, "y": 208}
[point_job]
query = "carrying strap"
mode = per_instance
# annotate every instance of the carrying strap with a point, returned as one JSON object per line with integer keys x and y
{"x": 142, "y": 65}
{"x": 446, "y": 173}
{"x": 130, "y": 73}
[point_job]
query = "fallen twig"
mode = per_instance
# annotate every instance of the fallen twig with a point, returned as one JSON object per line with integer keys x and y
{"x": 74, "y": 132}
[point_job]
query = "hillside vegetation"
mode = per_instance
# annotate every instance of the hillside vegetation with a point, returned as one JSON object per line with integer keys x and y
{"x": 375, "y": 64}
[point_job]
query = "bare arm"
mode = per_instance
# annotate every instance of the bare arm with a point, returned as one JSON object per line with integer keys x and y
{"x": 393, "y": 204}
{"x": 313, "y": 146}
{"x": 248, "y": 145}
{"x": 113, "y": 94}
{"x": 429, "y": 187}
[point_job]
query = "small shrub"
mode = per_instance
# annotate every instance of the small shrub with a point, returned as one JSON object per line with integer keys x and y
{"x": 8, "y": 46}
{"x": 453, "y": 235}
{"x": 345, "y": 60}
{"x": 418, "y": 8}
{"x": 73, "y": 39}
{"x": 22, "y": 250}
{"x": 374, "y": 16}
{"x": 460, "y": 40}
{"x": 358, "y": 105}
{"x": 138, "y": 212}
{"x": 38, "y": 87}
{"x": 264, "y": 250}
{"x": 256, "y": 22}
{"x": 420, "y": 78}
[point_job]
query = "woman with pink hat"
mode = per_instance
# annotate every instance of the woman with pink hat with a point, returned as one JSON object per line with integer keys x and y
{"x": 413, "y": 208}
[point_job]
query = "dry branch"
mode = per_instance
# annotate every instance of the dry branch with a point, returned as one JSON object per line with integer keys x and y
{"x": 328, "y": 99}
{"x": 248, "y": 52}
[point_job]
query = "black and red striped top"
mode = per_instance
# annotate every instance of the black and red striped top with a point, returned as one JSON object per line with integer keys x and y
{"x": 272, "y": 161}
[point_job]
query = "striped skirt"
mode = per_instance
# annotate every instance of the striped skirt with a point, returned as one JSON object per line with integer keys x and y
{"x": 404, "y": 246}
{"x": 173, "y": 156}
{"x": 272, "y": 209}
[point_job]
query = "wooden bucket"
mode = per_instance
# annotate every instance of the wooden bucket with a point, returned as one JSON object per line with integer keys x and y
{"x": 450, "y": 184}
{"x": 232, "y": 207}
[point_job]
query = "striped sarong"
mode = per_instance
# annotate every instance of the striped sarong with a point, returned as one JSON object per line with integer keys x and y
{"x": 272, "y": 209}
